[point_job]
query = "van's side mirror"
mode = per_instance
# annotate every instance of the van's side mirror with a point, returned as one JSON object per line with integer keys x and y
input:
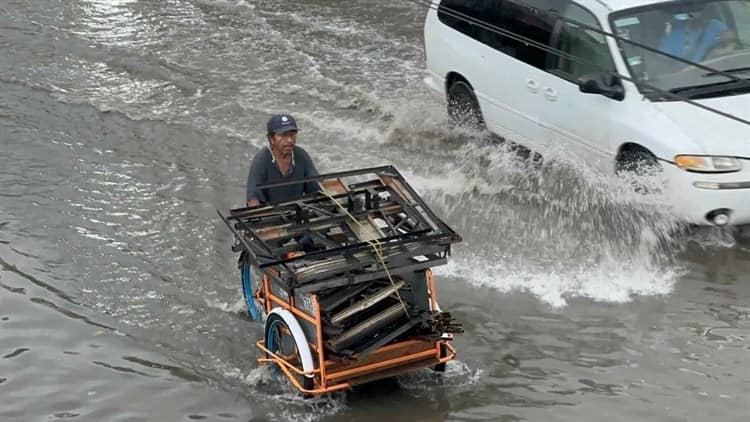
{"x": 603, "y": 84}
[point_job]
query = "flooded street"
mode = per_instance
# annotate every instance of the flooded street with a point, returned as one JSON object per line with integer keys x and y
{"x": 125, "y": 124}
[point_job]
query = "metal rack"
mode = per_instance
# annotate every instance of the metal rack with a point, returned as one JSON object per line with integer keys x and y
{"x": 388, "y": 212}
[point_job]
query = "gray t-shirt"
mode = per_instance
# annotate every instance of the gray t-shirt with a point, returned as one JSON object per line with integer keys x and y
{"x": 264, "y": 170}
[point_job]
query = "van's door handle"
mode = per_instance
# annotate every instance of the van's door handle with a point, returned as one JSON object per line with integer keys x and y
{"x": 532, "y": 86}
{"x": 550, "y": 93}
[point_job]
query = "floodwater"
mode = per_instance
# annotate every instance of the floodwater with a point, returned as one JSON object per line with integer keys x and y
{"x": 125, "y": 124}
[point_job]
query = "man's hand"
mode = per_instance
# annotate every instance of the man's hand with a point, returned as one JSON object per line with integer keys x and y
{"x": 727, "y": 36}
{"x": 253, "y": 203}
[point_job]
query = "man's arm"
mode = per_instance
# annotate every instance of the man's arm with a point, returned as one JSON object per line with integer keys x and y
{"x": 255, "y": 177}
{"x": 710, "y": 38}
{"x": 310, "y": 171}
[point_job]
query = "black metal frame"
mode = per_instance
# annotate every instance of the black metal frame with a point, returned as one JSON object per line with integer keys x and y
{"x": 267, "y": 233}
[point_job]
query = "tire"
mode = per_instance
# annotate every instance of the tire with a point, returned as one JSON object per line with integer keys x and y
{"x": 463, "y": 107}
{"x": 440, "y": 367}
{"x": 247, "y": 293}
{"x": 281, "y": 342}
{"x": 636, "y": 163}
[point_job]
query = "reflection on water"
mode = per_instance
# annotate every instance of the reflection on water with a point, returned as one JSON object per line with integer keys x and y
{"x": 110, "y": 21}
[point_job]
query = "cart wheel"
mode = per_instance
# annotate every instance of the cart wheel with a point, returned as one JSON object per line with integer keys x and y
{"x": 247, "y": 292}
{"x": 283, "y": 339}
{"x": 440, "y": 367}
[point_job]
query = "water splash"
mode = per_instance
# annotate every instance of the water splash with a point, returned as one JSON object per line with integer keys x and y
{"x": 235, "y": 307}
{"x": 457, "y": 374}
{"x": 288, "y": 404}
{"x": 557, "y": 229}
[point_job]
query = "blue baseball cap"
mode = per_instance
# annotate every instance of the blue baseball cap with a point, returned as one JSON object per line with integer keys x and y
{"x": 281, "y": 123}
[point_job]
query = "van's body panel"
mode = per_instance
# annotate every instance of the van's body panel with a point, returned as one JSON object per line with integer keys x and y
{"x": 711, "y": 133}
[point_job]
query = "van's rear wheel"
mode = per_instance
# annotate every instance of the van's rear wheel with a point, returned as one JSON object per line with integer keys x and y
{"x": 463, "y": 107}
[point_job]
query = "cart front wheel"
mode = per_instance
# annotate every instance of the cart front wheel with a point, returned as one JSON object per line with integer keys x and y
{"x": 282, "y": 338}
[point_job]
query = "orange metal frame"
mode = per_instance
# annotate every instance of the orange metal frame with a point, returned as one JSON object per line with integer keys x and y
{"x": 332, "y": 376}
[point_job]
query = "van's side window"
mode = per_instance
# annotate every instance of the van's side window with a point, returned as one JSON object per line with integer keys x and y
{"x": 452, "y": 12}
{"x": 517, "y": 19}
{"x": 589, "y": 48}
{"x": 522, "y": 22}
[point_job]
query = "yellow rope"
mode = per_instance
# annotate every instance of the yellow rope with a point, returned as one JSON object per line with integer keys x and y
{"x": 374, "y": 243}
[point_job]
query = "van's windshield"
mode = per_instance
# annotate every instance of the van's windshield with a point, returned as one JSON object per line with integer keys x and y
{"x": 714, "y": 33}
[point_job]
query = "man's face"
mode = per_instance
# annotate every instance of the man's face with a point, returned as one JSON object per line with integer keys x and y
{"x": 284, "y": 142}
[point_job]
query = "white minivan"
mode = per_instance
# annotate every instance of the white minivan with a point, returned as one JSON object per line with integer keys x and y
{"x": 491, "y": 61}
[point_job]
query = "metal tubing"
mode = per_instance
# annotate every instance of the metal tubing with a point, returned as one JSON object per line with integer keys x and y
{"x": 280, "y": 360}
{"x": 441, "y": 224}
{"x": 366, "y": 259}
{"x": 319, "y": 342}
{"x": 387, "y": 338}
{"x": 270, "y": 299}
{"x": 367, "y": 302}
{"x": 366, "y": 327}
{"x": 241, "y": 239}
{"x": 378, "y": 365}
{"x": 400, "y": 239}
{"x": 361, "y": 278}
{"x": 336, "y": 299}
{"x": 431, "y": 286}
{"x": 328, "y": 176}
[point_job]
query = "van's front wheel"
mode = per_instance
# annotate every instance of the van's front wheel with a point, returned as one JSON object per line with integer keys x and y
{"x": 637, "y": 164}
{"x": 463, "y": 107}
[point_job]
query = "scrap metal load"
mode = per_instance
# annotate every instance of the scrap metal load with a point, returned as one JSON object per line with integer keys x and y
{"x": 352, "y": 264}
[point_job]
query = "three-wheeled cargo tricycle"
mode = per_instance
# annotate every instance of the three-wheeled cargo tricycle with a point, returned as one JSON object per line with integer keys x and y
{"x": 346, "y": 294}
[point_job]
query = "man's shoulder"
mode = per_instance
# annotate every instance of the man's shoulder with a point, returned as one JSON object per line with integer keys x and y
{"x": 263, "y": 152}
{"x": 301, "y": 154}
{"x": 300, "y": 151}
{"x": 262, "y": 156}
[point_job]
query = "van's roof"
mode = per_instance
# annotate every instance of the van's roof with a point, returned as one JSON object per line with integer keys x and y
{"x": 616, "y": 5}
